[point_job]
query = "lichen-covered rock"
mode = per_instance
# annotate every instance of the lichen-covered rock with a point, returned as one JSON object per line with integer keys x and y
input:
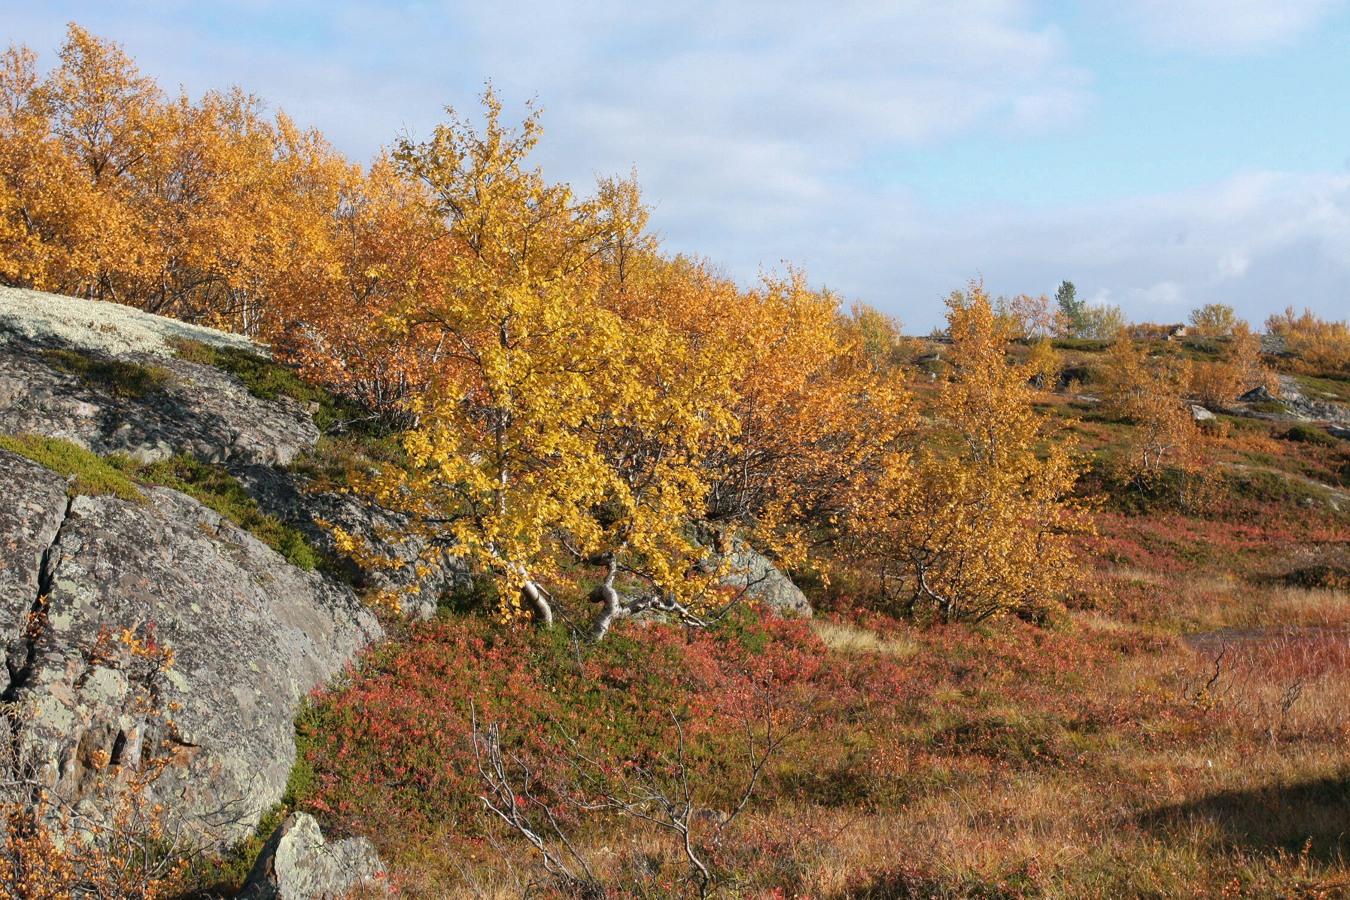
{"x": 297, "y": 863}
{"x": 418, "y": 573}
{"x": 29, "y": 521}
{"x": 40, "y": 318}
{"x": 249, "y": 635}
{"x": 751, "y": 571}
{"x": 199, "y": 410}
{"x": 140, "y": 634}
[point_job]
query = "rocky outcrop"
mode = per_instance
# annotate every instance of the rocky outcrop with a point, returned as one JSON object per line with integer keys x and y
{"x": 418, "y": 572}
{"x": 155, "y": 637}
{"x": 1305, "y": 407}
{"x": 298, "y": 864}
{"x": 225, "y": 639}
{"x": 197, "y": 409}
{"x": 193, "y": 409}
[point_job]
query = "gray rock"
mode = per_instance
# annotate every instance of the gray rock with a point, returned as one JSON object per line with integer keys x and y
{"x": 40, "y": 318}
{"x": 1323, "y": 410}
{"x": 250, "y": 636}
{"x": 203, "y": 411}
{"x": 298, "y": 864}
{"x": 420, "y": 572}
{"x": 1200, "y": 414}
{"x": 1337, "y": 431}
{"x": 1259, "y": 394}
{"x": 749, "y": 570}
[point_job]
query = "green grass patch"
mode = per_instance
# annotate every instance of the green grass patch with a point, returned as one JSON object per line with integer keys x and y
{"x": 1325, "y": 387}
{"x": 1310, "y": 434}
{"x": 1244, "y": 424}
{"x": 220, "y": 491}
{"x": 116, "y": 475}
{"x": 90, "y": 474}
{"x": 121, "y": 379}
{"x": 334, "y": 457}
{"x": 1083, "y": 345}
{"x": 1274, "y": 487}
{"x": 265, "y": 379}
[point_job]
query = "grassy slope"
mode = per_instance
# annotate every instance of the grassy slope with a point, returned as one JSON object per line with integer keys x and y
{"x": 1118, "y": 753}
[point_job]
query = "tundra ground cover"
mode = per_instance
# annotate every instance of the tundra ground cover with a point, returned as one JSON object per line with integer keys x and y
{"x": 1180, "y": 730}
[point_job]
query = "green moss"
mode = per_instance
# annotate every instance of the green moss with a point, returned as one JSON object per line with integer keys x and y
{"x": 268, "y": 379}
{"x": 265, "y": 379}
{"x": 122, "y": 379}
{"x": 219, "y": 490}
{"x": 90, "y": 474}
{"x": 1326, "y": 387}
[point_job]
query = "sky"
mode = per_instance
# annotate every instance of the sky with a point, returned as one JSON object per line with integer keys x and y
{"x": 1160, "y": 154}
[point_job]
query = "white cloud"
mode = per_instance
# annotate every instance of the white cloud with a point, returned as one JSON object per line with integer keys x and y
{"x": 1258, "y": 241}
{"x": 751, "y": 123}
{"x": 1224, "y": 26}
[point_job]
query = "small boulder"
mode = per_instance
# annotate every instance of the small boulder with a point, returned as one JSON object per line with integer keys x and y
{"x": 1259, "y": 394}
{"x": 297, "y": 863}
{"x": 1200, "y": 414}
{"x": 753, "y": 572}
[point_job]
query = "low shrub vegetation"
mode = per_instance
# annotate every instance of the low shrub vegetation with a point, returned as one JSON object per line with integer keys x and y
{"x": 1067, "y": 645}
{"x": 89, "y": 473}
{"x": 119, "y": 378}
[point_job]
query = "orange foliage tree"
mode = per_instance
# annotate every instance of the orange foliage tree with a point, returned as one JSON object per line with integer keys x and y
{"x": 567, "y": 413}
{"x": 587, "y": 398}
{"x": 1221, "y": 382}
{"x": 204, "y": 211}
{"x": 819, "y": 413}
{"x": 1319, "y": 343}
{"x": 1148, "y": 393}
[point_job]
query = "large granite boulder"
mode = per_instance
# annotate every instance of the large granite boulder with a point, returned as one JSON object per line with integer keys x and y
{"x": 192, "y": 408}
{"x": 137, "y": 632}
{"x": 152, "y": 638}
{"x": 198, "y": 410}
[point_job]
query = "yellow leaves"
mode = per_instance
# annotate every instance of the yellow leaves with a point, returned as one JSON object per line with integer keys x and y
{"x": 978, "y": 521}
{"x": 1149, "y": 393}
{"x": 566, "y": 412}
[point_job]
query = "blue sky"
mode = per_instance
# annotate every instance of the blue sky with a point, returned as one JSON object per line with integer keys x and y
{"x": 1159, "y": 153}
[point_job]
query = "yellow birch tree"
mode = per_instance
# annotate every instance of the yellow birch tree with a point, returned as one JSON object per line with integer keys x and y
{"x": 981, "y": 520}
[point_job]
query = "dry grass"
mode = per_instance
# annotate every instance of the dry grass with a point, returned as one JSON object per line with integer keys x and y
{"x": 845, "y": 638}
